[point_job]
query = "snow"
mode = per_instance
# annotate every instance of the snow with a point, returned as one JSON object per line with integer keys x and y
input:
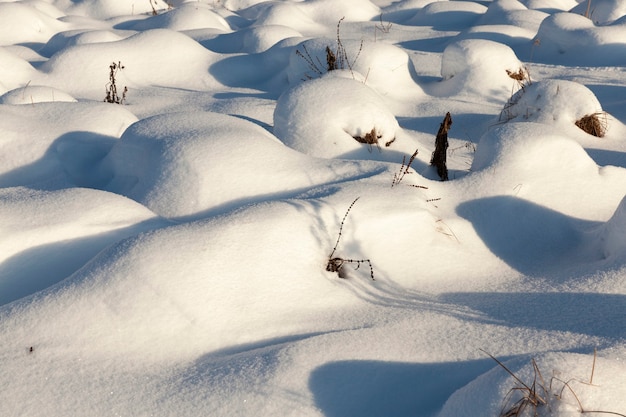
{"x": 570, "y": 37}
{"x": 177, "y": 254}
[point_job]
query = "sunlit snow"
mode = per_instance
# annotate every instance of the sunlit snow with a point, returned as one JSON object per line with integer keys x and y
{"x": 253, "y": 227}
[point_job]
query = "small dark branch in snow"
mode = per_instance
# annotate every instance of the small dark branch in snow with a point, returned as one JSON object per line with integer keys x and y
{"x": 335, "y": 263}
{"x": 341, "y": 227}
{"x": 438, "y": 158}
{"x": 331, "y": 59}
{"x": 313, "y": 65}
{"x": 383, "y": 28}
{"x": 154, "y": 12}
{"x": 340, "y": 58}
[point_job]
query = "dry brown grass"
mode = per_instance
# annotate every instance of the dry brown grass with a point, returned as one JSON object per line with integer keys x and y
{"x": 595, "y": 124}
{"x": 522, "y": 77}
{"x": 536, "y": 395}
{"x": 335, "y": 59}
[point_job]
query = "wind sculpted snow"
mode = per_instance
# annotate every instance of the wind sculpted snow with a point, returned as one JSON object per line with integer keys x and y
{"x": 256, "y": 229}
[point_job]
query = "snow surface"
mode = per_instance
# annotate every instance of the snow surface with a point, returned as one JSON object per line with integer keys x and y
{"x": 170, "y": 255}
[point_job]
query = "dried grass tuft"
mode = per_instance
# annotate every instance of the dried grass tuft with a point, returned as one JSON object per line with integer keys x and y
{"x": 535, "y": 396}
{"x": 522, "y": 77}
{"x": 335, "y": 59}
{"x": 595, "y": 124}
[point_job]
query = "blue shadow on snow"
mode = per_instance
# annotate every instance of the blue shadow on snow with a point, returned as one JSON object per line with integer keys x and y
{"x": 377, "y": 388}
{"x": 530, "y": 238}
{"x": 601, "y": 315}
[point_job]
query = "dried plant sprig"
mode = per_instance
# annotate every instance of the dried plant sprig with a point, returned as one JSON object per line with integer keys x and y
{"x": 335, "y": 59}
{"x": 404, "y": 168}
{"x": 335, "y": 263}
{"x": 111, "y": 87}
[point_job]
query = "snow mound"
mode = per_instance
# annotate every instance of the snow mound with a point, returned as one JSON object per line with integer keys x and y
{"x": 385, "y": 68}
{"x": 614, "y": 234}
{"x": 601, "y": 11}
{"x": 65, "y": 230}
{"x": 133, "y": 307}
{"x": 478, "y": 66}
{"x": 252, "y": 40}
{"x": 37, "y": 157}
{"x": 313, "y": 16}
{"x": 322, "y": 117}
{"x": 514, "y": 13}
{"x": 241, "y": 4}
{"x": 447, "y": 15}
{"x": 185, "y": 17}
{"x": 181, "y": 61}
{"x": 21, "y": 22}
{"x": 106, "y": 9}
{"x": 558, "y": 102}
{"x": 531, "y": 149}
{"x": 183, "y": 164}
{"x": 14, "y": 71}
{"x": 77, "y": 37}
{"x": 496, "y": 391}
{"x": 35, "y": 94}
{"x": 542, "y": 163}
{"x": 512, "y": 36}
{"x": 568, "y": 38}
{"x": 550, "y": 5}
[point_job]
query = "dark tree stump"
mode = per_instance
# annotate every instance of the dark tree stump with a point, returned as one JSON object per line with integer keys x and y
{"x": 438, "y": 159}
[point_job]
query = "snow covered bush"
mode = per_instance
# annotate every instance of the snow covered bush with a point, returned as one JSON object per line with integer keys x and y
{"x": 601, "y": 11}
{"x": 558, "y": 102}
{"x": 478, "y": 66}
{"x": 556, "y": 383}
{"x": 174, "y": 257}
{"x": 574, "y": 39}
{"x": 333, "y": 117}
{"x": 547, "y": 165}
{"x": 383, "y": 67}
{"x": 450, "y": 15}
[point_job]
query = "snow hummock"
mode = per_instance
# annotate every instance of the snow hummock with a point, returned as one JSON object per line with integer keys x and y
{"x": 615, "y": 232}
{"x": 576, "y": 40}
{"x": 35, "y": 94}
{"x": 470, "y": 64}
{"x": 253, "y": 233}
{"x": 352, "y": 110}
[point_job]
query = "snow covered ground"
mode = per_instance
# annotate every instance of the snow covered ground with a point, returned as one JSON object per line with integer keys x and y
{"x": 170, "y": 255}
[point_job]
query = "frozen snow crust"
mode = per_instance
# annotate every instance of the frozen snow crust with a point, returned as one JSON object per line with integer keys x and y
{"x": 256, "y": 229}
